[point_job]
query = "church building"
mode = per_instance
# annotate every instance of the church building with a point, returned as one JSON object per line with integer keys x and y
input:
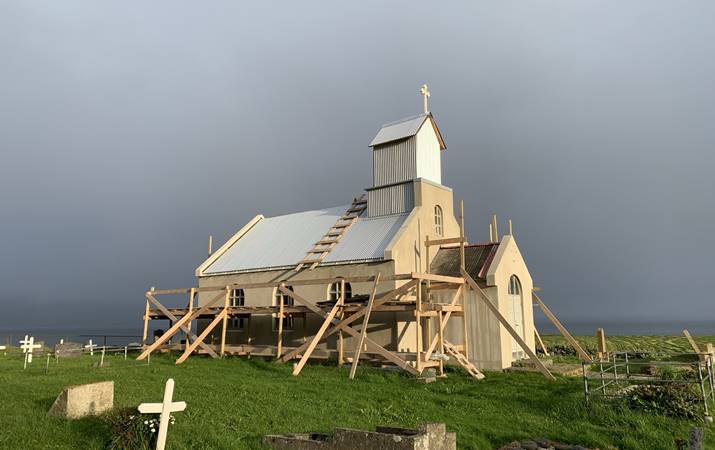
{"x": 387, "y": 229}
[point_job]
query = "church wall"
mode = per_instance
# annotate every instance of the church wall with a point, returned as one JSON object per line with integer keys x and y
{"x": 483, "y": 329}
{"x": 262, "y": 329}
{"x": 507, "y": 262}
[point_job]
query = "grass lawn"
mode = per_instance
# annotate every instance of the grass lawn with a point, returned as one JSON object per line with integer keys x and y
{"x": 233, "y": 402}
{"x": 658, "y": 344}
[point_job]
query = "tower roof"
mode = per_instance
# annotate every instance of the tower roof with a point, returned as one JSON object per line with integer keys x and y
{"x": 405, "y": 128}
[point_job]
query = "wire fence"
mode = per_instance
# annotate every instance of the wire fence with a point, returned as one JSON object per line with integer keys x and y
{"x": 613, "y": 376}
{"x": 49, "y": 361}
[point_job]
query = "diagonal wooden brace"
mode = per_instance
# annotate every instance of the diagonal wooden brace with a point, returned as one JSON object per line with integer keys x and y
{"x": 363, "y": 331}
{"x": 443, "y": 324}
{"x": 199, "y": 340}
{"x": 184, "y": 328}
{"x": 171, "y": 331}
{"x": 562, "y": 329}
{"x": 343, "y": 325}
{"x": 316, "y": 339}
{"x": 532, "y": 356}
{"x": 373, "y": 346}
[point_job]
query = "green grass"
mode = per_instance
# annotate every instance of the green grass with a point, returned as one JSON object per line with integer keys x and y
{"x": 233, "y": 402}
{"x": 658, "y": 344}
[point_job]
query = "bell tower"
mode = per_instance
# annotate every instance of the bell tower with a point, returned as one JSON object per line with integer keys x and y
{"x": 402, "y": 152}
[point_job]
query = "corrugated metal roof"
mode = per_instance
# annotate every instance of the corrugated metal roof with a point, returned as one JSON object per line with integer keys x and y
{"x": 399, "y": 130}
{"x": 477, "y": 258}
{"x": 282, "y": 241}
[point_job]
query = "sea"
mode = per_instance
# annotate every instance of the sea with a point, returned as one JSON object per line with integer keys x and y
{"x": 126, "y": 336}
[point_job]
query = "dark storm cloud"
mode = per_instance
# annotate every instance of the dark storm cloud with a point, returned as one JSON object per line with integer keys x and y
{"x": 131, "y": 131}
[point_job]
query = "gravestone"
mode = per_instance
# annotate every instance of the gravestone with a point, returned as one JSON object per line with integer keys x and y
{"x": 83, "y": 400}
{"x": 429, "y": 436}
{"x": 68, "y": 350}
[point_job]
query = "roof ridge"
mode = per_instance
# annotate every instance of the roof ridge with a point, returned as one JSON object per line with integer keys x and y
{"x": 406, "y": 119}
{"x": 309, "y": 211}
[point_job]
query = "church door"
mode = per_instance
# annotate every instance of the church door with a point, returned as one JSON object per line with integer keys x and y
{"x": 516, "y": 315}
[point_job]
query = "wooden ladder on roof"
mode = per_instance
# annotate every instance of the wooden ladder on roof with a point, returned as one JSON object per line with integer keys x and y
{"x": 462, "y": 360}
{"x": 322, "y": 248}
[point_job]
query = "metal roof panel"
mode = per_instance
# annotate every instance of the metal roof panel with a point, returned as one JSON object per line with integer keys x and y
{"x": 283, "y": 241}
{"x": 399, "y": 130}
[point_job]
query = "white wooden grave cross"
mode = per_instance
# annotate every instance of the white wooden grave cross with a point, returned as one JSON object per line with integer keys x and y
{"x": 165, "y": 409}
{"x": 28, "y": 345}
{"x": 91, "y": 347}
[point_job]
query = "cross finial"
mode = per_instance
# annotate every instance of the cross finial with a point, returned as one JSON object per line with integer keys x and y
{"x": 424, "y": 90}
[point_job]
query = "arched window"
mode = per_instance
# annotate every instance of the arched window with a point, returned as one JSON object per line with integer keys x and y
{"x": 287, "y": 301}
{"x": 516, "y": 314}
{"x": 237, "y": 298}
{"x": 438, "y": 222}
{"x": 514, "y": 285}
{"x": 334, "y": 291}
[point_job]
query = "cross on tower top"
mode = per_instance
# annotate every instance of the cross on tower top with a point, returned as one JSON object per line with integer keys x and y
{"x": 424, "y": 90}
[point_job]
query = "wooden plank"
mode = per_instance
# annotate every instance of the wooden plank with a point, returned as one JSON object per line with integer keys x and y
{"x": 541, "y": 343}
{"x": 418, "y": 329}
{"x": 446, "y": 241}
{"x": 693, "y": 344}
{"x": 363, "y": 331}
{"x": 372, "y": 347}
{"x": 327, "y": 241}
{"x": 314, "y": 342}
{"x": 341, "y": 343}
{"x": 199, "y": 340}
{"x": 443, "y": 323}
{"x": 601, "y": 342}
{"x": 188, "y": 325}
{"x": 275, "y": 284}
{"x": 507, "y": 325}
{"x": 465, "y": 328}
{"x": 168, "y": 314}
{"x": 440, "y": 337}
{"x": 211, "y": 259}
{"x": 384, "y": 298}
{"x": 461, "y": 235}
{"x": 225, "y": 320}
{"x": 437, "y": 278}
{"x": 177, "y": 326}
{"x": 146, "y": 322}
{"x": 279, "y": 349}
{"x": 564, "y": 332}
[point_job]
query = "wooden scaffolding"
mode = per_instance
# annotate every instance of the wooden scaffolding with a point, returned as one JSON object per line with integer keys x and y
{"x": 339, "y": 317}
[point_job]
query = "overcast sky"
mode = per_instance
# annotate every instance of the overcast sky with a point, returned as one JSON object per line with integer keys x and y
{"x": 130, "y": 131}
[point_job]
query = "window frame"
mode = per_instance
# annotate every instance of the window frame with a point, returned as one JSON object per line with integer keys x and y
{"x": 438, "y": 220}
{"x": 237, "y": 323}
{"x": 334, "y": 290}
{"x": 288, "y": 321}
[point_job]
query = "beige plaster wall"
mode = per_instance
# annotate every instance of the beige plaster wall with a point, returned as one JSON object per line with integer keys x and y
{"x": 507, "y": 262}
{"x": 262, "y": 329}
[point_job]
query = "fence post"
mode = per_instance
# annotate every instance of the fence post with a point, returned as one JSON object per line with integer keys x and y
{"x": 585, "y": 381}
{"x": 702, "y": 389}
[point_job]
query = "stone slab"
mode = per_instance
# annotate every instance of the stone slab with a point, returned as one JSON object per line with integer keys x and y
{"x": 83, "y": 400}
{"x": 68, "y": 350}
{"x": 426, "y": 437}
